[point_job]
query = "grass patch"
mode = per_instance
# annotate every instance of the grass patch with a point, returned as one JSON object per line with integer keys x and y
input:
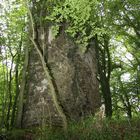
{"x": 87, "y": 129}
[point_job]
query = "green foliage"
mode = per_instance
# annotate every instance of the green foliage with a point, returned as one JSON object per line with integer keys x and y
{"x": 76, "y": 15}
{"x": 84, "y": 130}
{"x": 81, "y": 20}
{"x": 124, "y": 21}
{"x": 13, "y": 20}
{"x": 55, "y": 30}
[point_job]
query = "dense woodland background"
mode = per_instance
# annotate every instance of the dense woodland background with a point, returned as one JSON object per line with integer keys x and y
{"x": 110, "y": 27}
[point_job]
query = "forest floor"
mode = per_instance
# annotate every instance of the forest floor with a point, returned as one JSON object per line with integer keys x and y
{"x": 88, "y": 129}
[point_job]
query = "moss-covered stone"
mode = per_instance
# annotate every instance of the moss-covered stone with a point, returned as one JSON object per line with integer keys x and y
{"x": 74, "y": 78}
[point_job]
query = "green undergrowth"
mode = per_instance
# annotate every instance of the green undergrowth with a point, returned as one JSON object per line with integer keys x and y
{"x": 88, "y": 129}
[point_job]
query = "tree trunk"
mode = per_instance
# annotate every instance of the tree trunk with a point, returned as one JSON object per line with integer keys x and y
{"x": 10, "y": 96}
{"x": 22, "y": 90}
{"x": 104, "y": 72}
{"x": 17, "y": 90}
{"x": 105, "y": 87}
